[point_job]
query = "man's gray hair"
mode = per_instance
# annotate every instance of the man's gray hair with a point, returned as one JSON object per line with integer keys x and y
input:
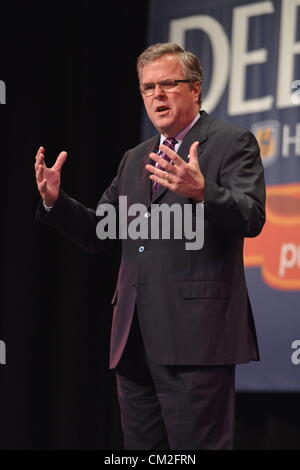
{"x": 190, "y": 63}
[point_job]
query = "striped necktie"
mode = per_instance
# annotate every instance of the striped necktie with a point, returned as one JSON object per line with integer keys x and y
{"x": 170, "y": 142}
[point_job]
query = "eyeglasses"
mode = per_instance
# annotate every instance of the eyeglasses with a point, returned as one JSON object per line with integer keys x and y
{"x": 166, "y": 85}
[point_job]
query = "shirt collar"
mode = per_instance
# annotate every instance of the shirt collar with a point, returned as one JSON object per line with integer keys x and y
{"x": 181, "y": 135}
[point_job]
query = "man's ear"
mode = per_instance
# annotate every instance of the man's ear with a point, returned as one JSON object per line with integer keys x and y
{"x": 197, "y": 89}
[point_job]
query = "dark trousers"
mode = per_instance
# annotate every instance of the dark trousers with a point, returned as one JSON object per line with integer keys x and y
{"x": 173, "y": 407}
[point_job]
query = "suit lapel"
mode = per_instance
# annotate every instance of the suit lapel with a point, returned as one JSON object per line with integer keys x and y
{"x": 198, "y": 133}
{"x": 145, "y": 182}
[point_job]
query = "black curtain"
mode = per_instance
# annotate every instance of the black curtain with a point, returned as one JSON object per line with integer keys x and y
{"x": 69, "y": 70}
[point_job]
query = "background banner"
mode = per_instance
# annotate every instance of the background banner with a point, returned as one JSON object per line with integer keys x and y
{"x": 250, "y": 52}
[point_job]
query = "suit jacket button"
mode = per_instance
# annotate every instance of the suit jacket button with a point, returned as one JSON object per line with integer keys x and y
{"x": 141, "y": 249}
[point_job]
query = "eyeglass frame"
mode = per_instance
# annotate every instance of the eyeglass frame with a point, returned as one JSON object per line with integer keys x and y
{"x": 175, "y": 82}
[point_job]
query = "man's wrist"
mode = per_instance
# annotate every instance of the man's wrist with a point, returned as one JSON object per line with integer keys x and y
{"x": 199, "y": 196}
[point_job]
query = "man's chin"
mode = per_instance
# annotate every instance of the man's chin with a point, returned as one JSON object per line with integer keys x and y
{"x": 162, "y": 124}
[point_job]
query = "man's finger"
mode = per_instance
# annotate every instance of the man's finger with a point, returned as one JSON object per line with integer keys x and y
{"x": 38, "y": 155}
{"x": 40, "y": 173}
{"x": 160, "y": 180}
{"x": 194, "y": 153}
{"x": 39, "y": 161}
{"x": 169, "y": 166}
{"x": 40, "y": 150}
{"x": 154, "y": 156}
{"x": 157, "y": 171}
{"x": 153, "y": 169}
{"x": 60, "y": 161}
{"x": 173, "y": 155}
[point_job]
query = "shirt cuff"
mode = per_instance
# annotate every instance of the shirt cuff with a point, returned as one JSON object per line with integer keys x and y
{"x": 47, "y": 208}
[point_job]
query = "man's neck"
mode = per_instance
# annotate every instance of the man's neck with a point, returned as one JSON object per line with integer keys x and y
{"x": 180, "y": 136}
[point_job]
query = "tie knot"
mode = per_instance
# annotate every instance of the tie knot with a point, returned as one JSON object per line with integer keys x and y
{"x": 170, "y": 142}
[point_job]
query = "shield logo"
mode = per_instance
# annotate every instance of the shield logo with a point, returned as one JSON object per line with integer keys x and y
{"x": 267, "y": 135}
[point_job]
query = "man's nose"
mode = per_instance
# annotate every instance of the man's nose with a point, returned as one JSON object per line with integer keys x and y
{"x": 158, "y": 90}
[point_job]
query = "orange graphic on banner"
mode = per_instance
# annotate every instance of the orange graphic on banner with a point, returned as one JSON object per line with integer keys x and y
{"x": 277, "y": 249}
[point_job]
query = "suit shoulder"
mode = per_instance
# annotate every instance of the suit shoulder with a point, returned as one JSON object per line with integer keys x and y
{"x": 144, "y": 146}
{"x": 227, "y": 128}
{"x": 227, "y": 135}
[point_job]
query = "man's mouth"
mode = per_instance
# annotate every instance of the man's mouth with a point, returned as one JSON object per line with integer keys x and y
{"x": 161, "y": 109}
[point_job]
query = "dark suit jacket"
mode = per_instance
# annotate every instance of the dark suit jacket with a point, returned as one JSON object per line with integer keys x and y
{"x": 193, "y": 306}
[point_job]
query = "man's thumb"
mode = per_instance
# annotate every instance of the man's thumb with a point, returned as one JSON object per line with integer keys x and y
{"x": 194, "y": 152}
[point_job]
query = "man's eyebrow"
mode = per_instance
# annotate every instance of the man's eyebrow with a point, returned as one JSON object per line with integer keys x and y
{"x": 160, "y": 81}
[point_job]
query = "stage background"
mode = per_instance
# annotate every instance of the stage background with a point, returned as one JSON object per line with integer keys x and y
{"x": 69, "y": 72}
{"x": 250, "y": 53}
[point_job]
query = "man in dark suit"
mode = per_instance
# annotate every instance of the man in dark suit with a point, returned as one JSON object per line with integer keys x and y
{"x": 182, "y": 317}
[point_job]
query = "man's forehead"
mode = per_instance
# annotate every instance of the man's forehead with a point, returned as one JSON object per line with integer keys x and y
{"x": 161, "y": 68}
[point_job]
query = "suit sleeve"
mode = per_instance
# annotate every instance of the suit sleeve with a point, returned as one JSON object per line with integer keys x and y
{"x": 236, "y": 204}
{"x": 77, "y": 222}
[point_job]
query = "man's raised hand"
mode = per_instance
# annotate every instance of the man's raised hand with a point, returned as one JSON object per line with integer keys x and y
{"x": 48, "y": 179}
{"x": 185, "y": 179}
